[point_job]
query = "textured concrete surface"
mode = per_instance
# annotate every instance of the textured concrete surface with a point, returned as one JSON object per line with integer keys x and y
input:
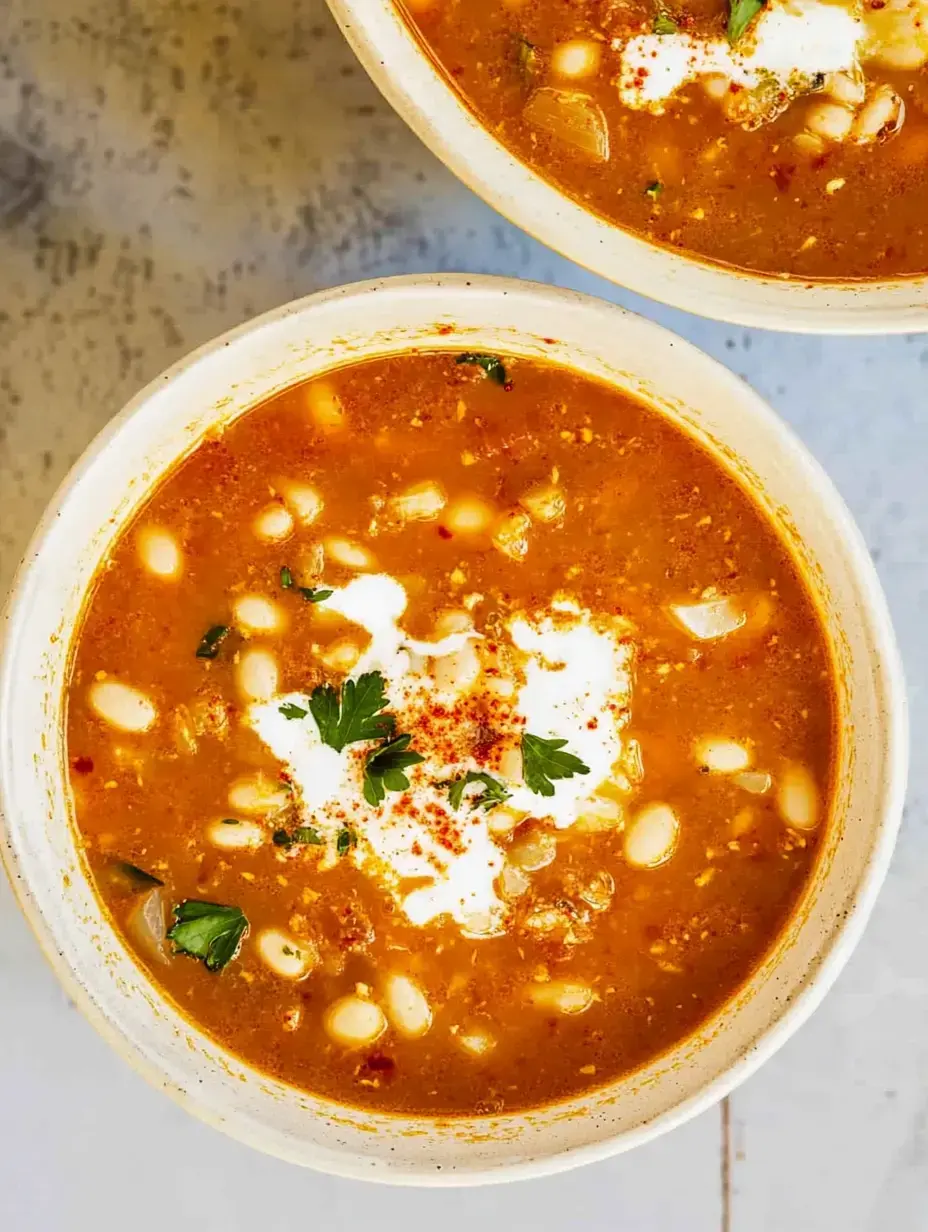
{"x": 169, "y": 168}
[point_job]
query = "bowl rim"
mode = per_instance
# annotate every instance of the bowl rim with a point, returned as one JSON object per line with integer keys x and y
{"x": 769, "y": 1038}
{"x": 381, "y": 37}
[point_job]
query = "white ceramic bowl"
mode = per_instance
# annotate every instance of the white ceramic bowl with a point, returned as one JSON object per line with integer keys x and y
{"x": 410, "y": 81}
{"x": 226, "y": 378}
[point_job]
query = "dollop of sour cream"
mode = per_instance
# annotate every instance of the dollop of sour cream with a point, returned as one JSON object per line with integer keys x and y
{"x": 572, "y": 682}
{"x": 795, "y": 38}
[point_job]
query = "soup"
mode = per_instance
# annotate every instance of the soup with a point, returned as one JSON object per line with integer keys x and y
{"x": 443, "y": 713}
{"x": 787, "y": 139}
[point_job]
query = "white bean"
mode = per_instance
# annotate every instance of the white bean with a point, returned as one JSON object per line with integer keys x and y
{"x": 511, "y": 534}
{"x": 882, "y": 115}
{"x": 287, "y": 957}
{"x": 797, "y": 798}
{"x": 233, "y": 835}
{"x": 159, "y": 552}
{"x": 757, "y": 782}
{"x": 274, "y": 523}
{"x": 255, "y": 614}
{"x": 325, "y": 406}
{"x": 304, "y": 502}
{"x": 354, "y": 1022}
{"x": 720, "y": 756}
{"x": 560, "y": 996}
{"x": 545, "y": 503}
{"x": 533, "y": 851}
{"x": 847, "y": 88}
{"x": 468, "y": 515}
{"x": 122, "y": 706}
{"x": 351, "y": 555}
{"x": 651, "y": 839}
{"x": 341, "y": 656}
{"x": 257, "y": 675}
{"x": 513, "y": 883}
{"x": 829, "y": 120}
{"x": 422, "y": 502}
{"x": 258, "y": 795}
{"x": 407, "y": 1006}
{"x": 576, "y": 58}
{"x": 600, "y": 813}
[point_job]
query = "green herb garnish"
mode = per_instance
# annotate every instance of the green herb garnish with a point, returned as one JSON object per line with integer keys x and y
{"x": 654, "y": 190}
{"x": 290, "y": 710}
{"x": 208, "y": 931}
{"x": 542, "y": 761}
{"x": 354, "y": 714}
{"x": 136, "y": 878}
{"x": 664, "y": 24}
{"x": 494, "y": 794}
{"x": 302, "y": 834}
{"x": 345, "y": 841}
{"x": 740, "y": 15}
{"x": 527, "y": 59}
{"x": 384, "y": 769}
{"x": 211, "y": 640}
{"x": 312, "y": 595}
{"x": 286, "y": 577}
{"x": 492, "y": 365}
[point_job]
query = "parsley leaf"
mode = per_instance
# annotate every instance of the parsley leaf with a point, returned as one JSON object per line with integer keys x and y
{"x": 740, "y": 15}
{"x": 291, "y": 711}
{"x": 345, "y": 841}
{"x": 286, "y": 577}
{"x": 313, "y": 595}
{"x": 384, "y": 769}
{"x": 302, "y": 834}
{"x": 211, "y": 640}
{"x": 664, "y": 24}
{"x": 654, "y": 190}
{"x": 355, "y": 715}
{"x": 495, "y": 792}
{"x": 542, "y": 761}
{"x": 208, "y": 931}
{"x": 492, "y": 365}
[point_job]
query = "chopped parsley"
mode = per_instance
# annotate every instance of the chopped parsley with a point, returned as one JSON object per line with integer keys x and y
{"x": 354, "y": 714}
{"x": 208, "y": 931}
{"x": 293, "y": 838}
{"x": 290, "y": 710}
{"x": 664, "y": 24}
{"x": 313, "y": 594}
{"x": 492, "y": 365}
{"x": 211, "y": 640}
{"x": 286, "y": 577}
{"x": 494, "y": 793}
{"x": 740, "y": 15}
{"x": 654, "y": 190}
{"x": 345, "y": 841}
{"x": 543, "y": 761}
{"x": 384, "y": 769}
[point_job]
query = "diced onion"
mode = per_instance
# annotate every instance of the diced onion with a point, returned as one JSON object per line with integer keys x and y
{"x": 325, "y": 406}
{"x": 571, "y": 117}
{"x": 354, "y": 1022}
{"x": 711, "y": 619}
{"x": 560, "y": 996}
{"x": 651, "y": 838}
{"x": 145, "y": 924}
{"x": 757, "y": 782}
{"x": 407, "y": 1006}
{"x": 476, "y": 1039}
{"x": 598, "y": 891}
{"x": 533, "y": 851}
{"x": 545, "y": 503}
{"x": 422, "y": 502}
{"x": 511, "y": 534}
{"x": 122, "y": 706}
{"x": 304, "y": 502}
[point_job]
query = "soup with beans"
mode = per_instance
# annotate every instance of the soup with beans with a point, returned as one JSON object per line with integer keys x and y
{"x": 443, "y": 713}
{"x": 786, "y": 138}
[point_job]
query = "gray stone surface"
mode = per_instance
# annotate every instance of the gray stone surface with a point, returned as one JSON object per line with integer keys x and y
{"x": 177, "y": 166}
